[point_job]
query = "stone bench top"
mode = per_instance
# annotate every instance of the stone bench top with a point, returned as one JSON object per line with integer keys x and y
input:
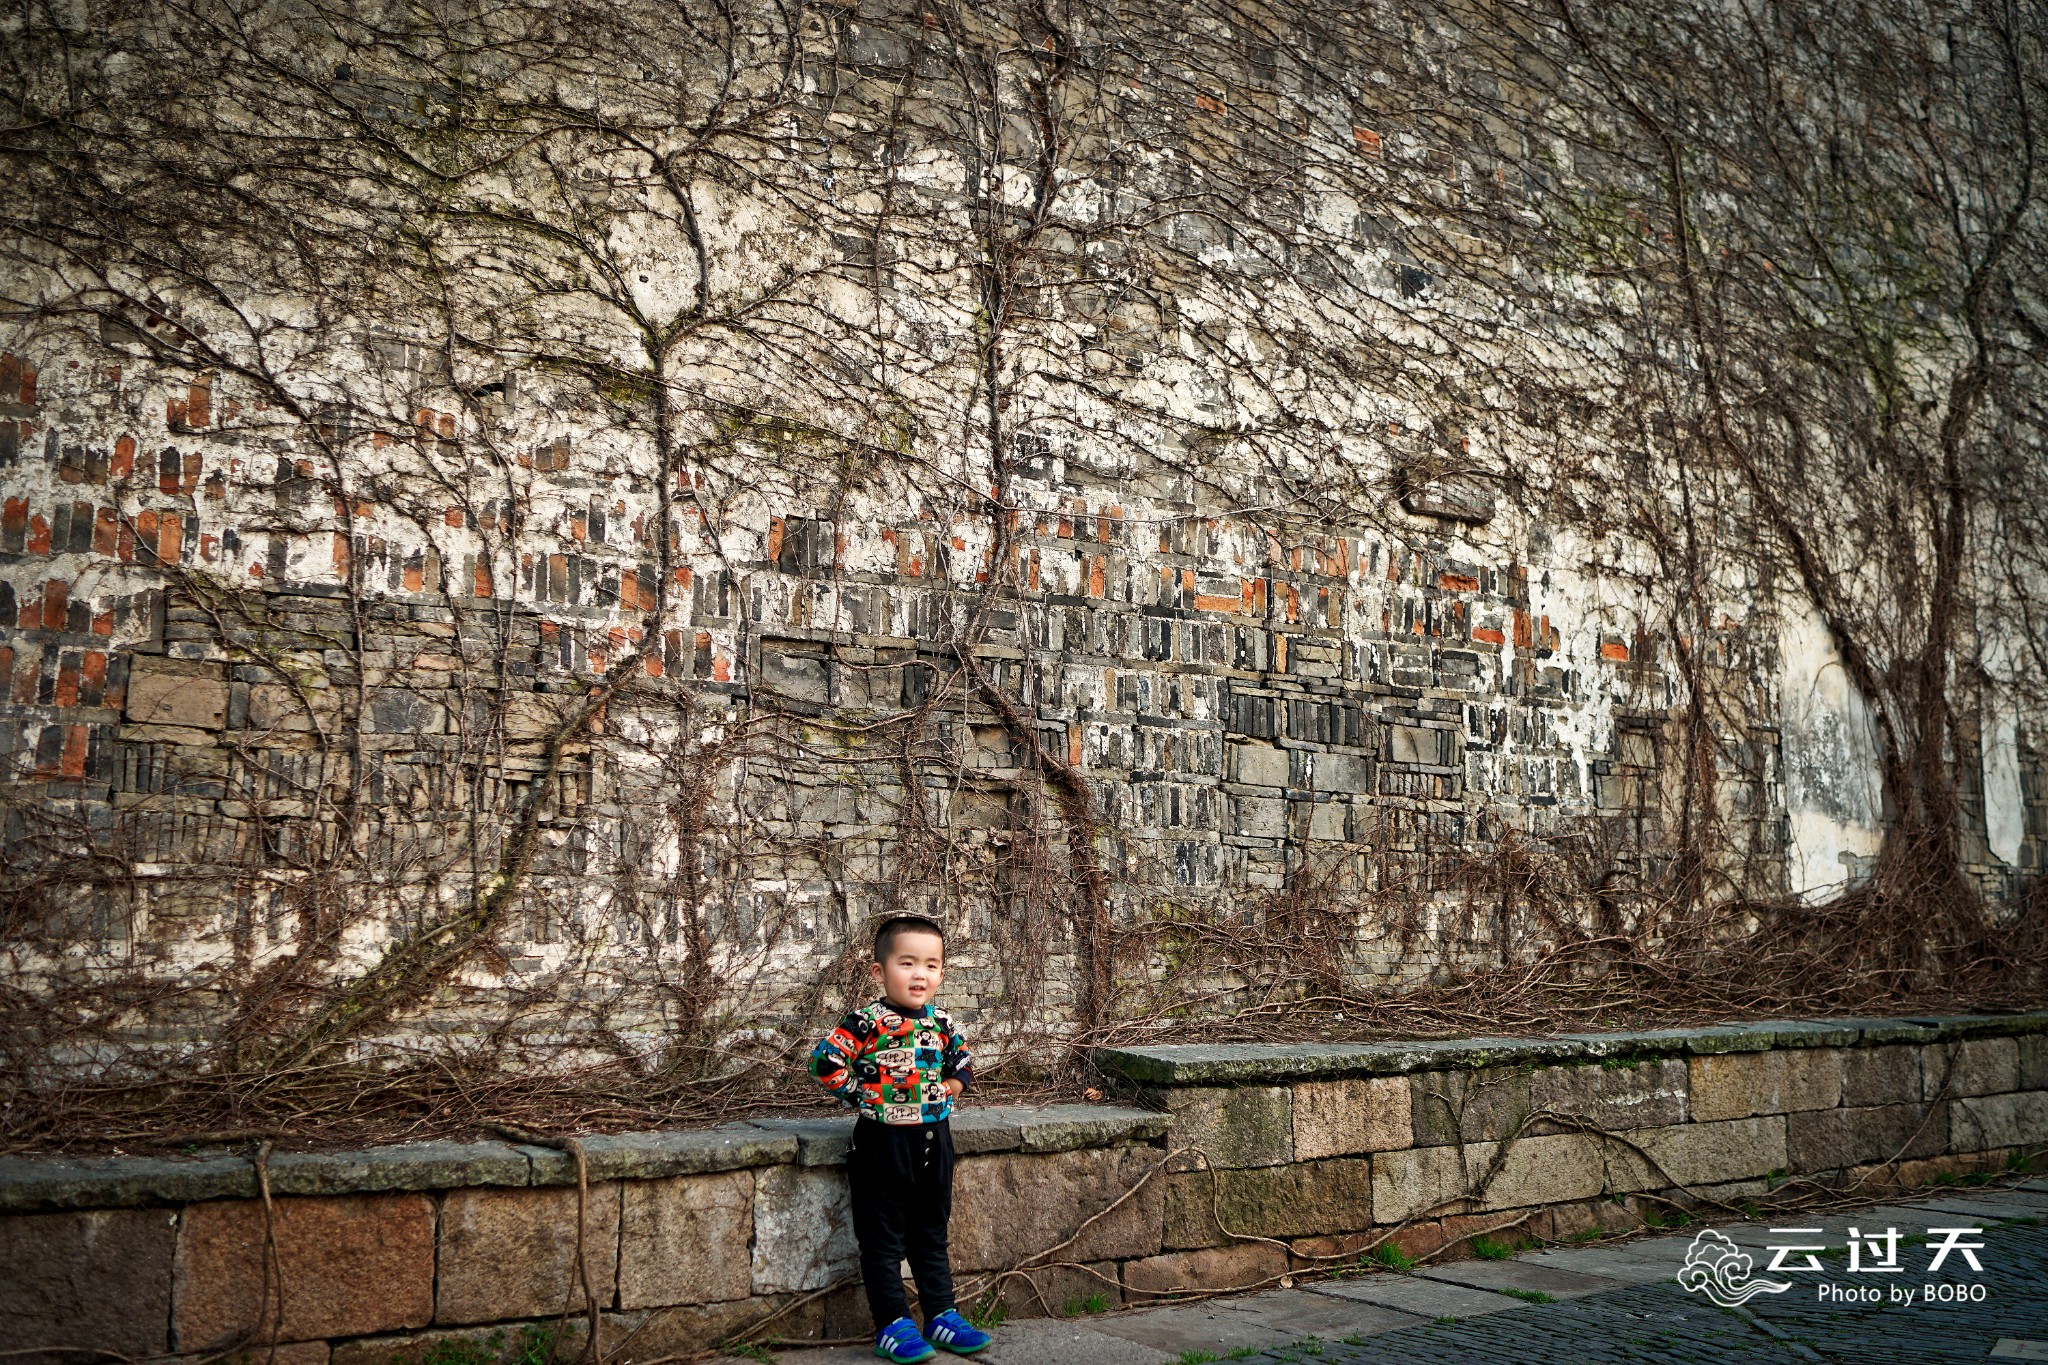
{"x": 1281, "y": 1063}
{"x": 59, "y": 1182}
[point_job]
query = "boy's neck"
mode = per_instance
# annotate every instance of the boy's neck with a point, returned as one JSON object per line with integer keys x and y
{"x": 901, "y": 1009}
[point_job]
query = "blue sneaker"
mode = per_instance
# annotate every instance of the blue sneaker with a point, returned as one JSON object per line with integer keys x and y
{"x": 956, "y": 1334}
{"x": 900, "y": 1342}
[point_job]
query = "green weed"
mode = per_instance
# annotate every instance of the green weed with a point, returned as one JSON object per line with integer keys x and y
{"x": 1196, "y": 1357}
{"x": 1529, "y": 1295}
{"x": 1493, "y": 1249}
{"x": 1390, "y": 1256}
{"x": 1093, "y": 1303}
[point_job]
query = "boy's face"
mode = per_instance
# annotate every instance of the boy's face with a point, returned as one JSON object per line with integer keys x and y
{"x": 911, "y": 973}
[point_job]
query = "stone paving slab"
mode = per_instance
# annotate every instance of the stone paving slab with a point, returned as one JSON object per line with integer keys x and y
{"x": 1297, "y": 1312}
{"x": 1424, "y": 1299}
{"x": 1028, "y": 1341}
{"x": 1633, "y": 1263}
{"x": 1555, "y": 1281}
{"x": 1205, "y": 1326}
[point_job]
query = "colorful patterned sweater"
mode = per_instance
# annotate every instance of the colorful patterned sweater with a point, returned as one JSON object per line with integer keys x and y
{"x": 892, "y": 1065}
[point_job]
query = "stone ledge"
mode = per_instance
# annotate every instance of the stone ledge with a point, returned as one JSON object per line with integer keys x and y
{"x": 114, "y": 1182}
{"x": 33, "y": 1183}
{"x": 1177, "y": 1064}
{"x": 654, "y": 1155}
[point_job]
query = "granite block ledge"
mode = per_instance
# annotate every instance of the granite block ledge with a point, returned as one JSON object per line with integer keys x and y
{"x": 55, "y": 1183}
{"x": 1179, "y": 1064}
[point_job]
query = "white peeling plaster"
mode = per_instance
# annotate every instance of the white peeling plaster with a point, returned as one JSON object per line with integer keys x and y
{"x": 2005, "y": 815}
{"x": 1833, "y": 791}
{"x": 2005, "y": 811}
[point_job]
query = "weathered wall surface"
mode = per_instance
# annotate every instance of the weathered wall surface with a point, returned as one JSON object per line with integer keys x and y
{"x": 1204, "y": 527}
{"x": 1265, "y": 1161}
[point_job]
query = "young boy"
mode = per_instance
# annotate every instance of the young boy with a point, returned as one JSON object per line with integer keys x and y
{"x": 900, "y": 1061}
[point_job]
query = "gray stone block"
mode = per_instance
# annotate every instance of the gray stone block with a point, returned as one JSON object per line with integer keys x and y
{"x": 680, "y": 1238}
{"x": 1186, "y": 1064}
{"x": 1347, "y": 1117}
{"x": 1978, "y": 1066}
{"x": 99, "y": 1279}
{"x": 1303, "y": 1199}
{"x": 1064, "y": 1127}
{"x": 803, "y": 1229}
{"x": 1737, "y": 1085}
{"x": 1535, "y": 1170}
{"x": 1341, "y": 773}
{"x": 2033, "y": 1061}
{"x": 1618, "y": 1094}
{"x": 1250, "y": 1125}
{"x": 1880, "y": 1075}
{"x": 1697, "y": 1154}
{"x": 1830, "y": 1139}
{"x": 403, "y": 1166}
{"x": 1014, "y": 1205}
{"x": 54, "y": 1182}
{"x": 1262, "y": 817}
{"x": 1257, "y": 765}
{"x": 1422, "y": 745}
{"x": 819, "y": 1141}
{"x": 652, "y": 1156}
{"x": 1986, "y": 1122}
{"x": 1472, "y": 1106}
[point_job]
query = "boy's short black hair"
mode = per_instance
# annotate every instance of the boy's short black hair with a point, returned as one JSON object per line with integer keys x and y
{"x": 887, "y": 931}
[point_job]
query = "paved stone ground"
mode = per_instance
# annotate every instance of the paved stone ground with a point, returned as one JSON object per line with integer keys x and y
{"x": 1583, "y": 1306}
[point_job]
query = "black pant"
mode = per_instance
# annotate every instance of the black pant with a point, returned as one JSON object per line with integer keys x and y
{"x": 901, "y": 1177}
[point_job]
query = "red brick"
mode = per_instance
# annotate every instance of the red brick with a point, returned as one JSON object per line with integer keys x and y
{"x": 67, "y": 681}
{"x": 56, "y": 602}
{"x": 77, "y": 743}
{"x": 170, "y": 539}
{"x": 38, "y": 536}
{"x": 351, "y": 1265}
{"x": 1614, "y": 650}
{"x": 106, "y": 529}
{"x": 124, "y": 457}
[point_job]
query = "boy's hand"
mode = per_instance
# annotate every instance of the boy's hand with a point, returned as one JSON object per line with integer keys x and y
{"x": 954, "y": 1086}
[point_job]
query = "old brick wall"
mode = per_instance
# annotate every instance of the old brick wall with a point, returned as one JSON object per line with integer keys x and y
{"x": 1359, "y": 626}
